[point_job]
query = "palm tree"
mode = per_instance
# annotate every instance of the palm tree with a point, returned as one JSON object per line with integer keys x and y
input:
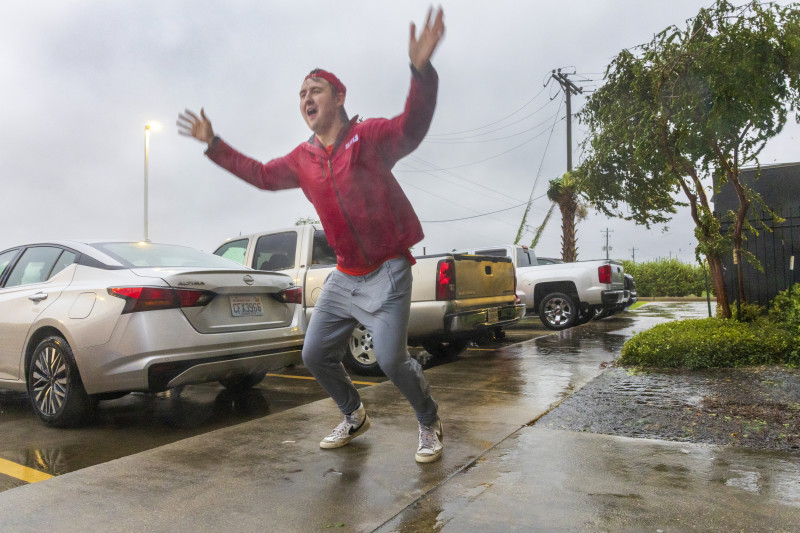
{"x": 564, "y": 192}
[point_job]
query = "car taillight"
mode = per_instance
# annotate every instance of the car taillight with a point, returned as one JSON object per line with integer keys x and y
{"x": 292, "y": 295}
{"x": 446, "y": 280}
{"x": 155, "y": 298}
{"x": 604, "y": 273}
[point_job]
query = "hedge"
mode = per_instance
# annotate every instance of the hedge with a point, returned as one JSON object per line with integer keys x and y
{"x": 667, "y": 277}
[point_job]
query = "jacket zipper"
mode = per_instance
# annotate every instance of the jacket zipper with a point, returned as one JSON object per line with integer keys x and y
{"x": 344, "y": 212}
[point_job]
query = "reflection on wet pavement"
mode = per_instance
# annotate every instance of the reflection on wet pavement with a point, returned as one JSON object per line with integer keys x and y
{"x": 136, "y": 422}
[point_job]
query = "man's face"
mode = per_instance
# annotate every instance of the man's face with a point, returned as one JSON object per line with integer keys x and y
{"x": 318, "y": 105}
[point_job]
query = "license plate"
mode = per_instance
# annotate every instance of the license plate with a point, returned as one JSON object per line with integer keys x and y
{"x": 246, "y": 306}
{"x": 492, "y": 316}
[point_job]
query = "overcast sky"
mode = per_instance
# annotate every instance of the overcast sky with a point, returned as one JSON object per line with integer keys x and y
{"x": 81, "y": 78}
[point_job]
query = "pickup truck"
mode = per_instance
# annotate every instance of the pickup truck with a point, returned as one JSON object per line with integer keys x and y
{"x": 455, "y": 299}
{"x": 564, "y": 294}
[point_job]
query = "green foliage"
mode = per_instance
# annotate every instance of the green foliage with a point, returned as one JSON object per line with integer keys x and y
{"x": 564, "y": 192}
{"x": 746, "y": 312}
{"x": 785, "y": 309}
{"x": 716, "y": 342}
{"x": 692, "y": 106}
{"x": 666, "y": 277}
{"x": 710, "y": 343}
{"x": 708, "y": 231}
{"x": 301, "y": 221}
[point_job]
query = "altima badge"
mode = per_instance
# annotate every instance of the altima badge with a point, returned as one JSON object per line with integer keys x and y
{"x": 248, "y": 279}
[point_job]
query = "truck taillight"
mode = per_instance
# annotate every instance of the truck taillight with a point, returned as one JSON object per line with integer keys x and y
{"x": 155, "y": 298}
{"x": 604, "y": 273}
{"x": 292, "y": 295}
{"x": 446, "y": 280}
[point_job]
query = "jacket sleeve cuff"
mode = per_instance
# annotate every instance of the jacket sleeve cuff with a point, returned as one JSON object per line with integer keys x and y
{"x": 419, "y": 75}
{"x": 213, "y": 145}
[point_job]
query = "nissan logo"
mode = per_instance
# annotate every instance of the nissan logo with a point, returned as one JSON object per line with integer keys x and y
{"x": 248, "y": 279}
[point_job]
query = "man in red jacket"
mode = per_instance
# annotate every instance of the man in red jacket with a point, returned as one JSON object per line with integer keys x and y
{"x": 344, "y": 170}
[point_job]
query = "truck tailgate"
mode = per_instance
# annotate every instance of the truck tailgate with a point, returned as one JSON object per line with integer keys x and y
{"x": 481, "y": 276}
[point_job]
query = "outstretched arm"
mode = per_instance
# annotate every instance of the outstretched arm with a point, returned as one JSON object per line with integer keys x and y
{"x": 420, "y": 50}
{"x": 190, "y": 125}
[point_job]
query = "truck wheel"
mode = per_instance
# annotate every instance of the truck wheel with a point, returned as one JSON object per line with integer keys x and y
{"x": 441, "y": 349}
{"x": 601, "y": 313}
{"x": 360, "y": 356}
{"x": 54, "y": 385}
{"x": 584, "y": 316}
{"x": 558, "y": 311}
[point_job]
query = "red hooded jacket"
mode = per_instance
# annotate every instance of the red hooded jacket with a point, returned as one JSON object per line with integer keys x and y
{"x": 366, "y": 216}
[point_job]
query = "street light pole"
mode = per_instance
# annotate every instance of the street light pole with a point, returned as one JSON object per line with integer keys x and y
{"x": 146, "y": 166}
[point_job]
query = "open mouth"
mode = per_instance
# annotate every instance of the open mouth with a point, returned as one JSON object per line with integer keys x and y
{"x": 311, "y": 112}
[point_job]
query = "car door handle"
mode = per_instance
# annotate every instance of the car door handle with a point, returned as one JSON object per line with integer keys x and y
{"x": 38, "y": 297}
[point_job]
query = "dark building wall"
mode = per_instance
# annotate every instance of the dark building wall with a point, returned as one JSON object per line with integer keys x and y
{"x": 779, "y": 185}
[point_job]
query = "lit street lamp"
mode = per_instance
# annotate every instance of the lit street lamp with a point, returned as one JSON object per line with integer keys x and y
{"x": 147, "y": 128}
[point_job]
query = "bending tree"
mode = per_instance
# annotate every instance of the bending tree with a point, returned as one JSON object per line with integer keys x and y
{"x": 692, "y": 107}
{"x": 564, "y": 193}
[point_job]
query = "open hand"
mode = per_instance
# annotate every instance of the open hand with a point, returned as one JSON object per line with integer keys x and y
{"x": 420, "y": 50}
{"x": 190, "y": 125}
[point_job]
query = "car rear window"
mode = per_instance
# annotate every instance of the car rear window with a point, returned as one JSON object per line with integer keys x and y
{"x": 146, "y": 254}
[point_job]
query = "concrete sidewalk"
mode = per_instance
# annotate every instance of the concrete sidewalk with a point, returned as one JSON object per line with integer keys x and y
{"x": 499, "y": 472}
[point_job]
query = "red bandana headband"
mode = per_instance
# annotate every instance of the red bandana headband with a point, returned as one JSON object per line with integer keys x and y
{"x": 329, "y": 77}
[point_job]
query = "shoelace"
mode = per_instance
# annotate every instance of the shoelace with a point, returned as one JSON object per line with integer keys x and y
{"x": 342, "y": 430}
{"x": 427, "y": 438}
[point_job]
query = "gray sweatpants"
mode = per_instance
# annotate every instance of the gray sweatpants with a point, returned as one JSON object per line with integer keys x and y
{"x": 380, "y": 301}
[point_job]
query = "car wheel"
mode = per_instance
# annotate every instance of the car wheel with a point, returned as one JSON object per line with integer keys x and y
{"x": 441, "y": 349}
{"x": 243, "y": 383}
{"x": 558, "y": 311}
{"x": 54, "y": 385}
{"x": 360, "y": 356}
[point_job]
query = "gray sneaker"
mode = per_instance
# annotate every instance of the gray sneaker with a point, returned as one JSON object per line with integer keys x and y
{"x": 430, "y": 443}
{"x": 353, "y": 425}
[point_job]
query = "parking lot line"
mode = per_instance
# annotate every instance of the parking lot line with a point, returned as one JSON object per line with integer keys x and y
{"x": 29, "y": 475}
{"x": 310, "y": 377}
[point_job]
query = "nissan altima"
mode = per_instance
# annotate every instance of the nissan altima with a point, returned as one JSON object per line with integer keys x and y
{"x": 82, "y": 322}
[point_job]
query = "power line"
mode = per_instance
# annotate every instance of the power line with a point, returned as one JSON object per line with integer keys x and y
{"x": 461, "y": 140}
{"x": 430, "y": 173}
{"x": 457, "y": 140}
{"x": 536, "y": 180}
{"x": 491, "y": 157}
{"x": 475, "y": 216}
{"x": 492, "y": 123}
{"x": 448, "y": 200}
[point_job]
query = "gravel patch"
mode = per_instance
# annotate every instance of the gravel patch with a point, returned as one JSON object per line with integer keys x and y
{"x": 754, "y": 407}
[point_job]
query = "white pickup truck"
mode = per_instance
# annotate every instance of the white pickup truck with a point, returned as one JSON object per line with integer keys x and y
{"x": 454, "y": 299}
{"x": 564, "y": 294}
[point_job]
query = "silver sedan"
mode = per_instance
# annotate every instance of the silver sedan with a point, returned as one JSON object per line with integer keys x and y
{"x": 82, "y": 322}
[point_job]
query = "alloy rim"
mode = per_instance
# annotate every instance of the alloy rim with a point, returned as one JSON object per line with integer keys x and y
{"x": 361, "y": 346}
{"x": 50, "y": 381}
{"x": 557, "y": 311}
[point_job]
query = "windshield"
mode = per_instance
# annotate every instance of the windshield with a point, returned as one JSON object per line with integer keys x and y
{"x": 146, "y": 254}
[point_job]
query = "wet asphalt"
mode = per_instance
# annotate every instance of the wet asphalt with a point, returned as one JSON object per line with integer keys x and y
{"x": 500, "y": 470}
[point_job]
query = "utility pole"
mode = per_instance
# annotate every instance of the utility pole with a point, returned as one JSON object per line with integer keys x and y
{"x": 569, "y": 89}
{"x": 633, "y": 254}
{"x": 607, "y": 248}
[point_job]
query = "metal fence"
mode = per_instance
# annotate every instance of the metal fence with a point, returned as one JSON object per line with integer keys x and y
{"x": 777, "y": 250}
